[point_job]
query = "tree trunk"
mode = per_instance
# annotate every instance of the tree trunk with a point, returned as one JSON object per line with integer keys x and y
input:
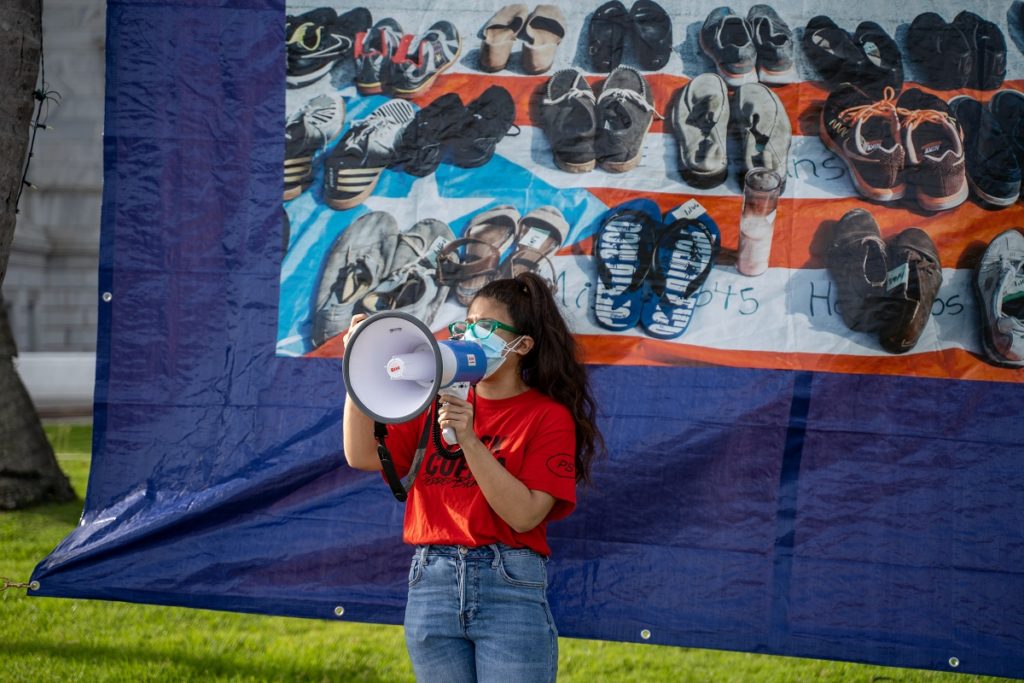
{"x": 29, "y": 473}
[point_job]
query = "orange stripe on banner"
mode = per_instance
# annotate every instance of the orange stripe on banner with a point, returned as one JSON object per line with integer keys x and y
{"x": 949, "y": 363}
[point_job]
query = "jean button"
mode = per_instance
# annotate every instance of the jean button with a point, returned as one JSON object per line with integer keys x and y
{"x": 463, "y": 550}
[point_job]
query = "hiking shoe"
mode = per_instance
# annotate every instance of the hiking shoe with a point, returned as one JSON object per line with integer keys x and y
{"x": 606, "y": 36}
{"x": 308, "y": 131}
{"x": 569, "y": 117}
{"x": 993, "y": 172}
{"x": 318, "y": 39}
{"x": 373, "y": 51}
{"x": 700, "y": 122}
{"x": 941, "y": 52}
{"x": 354, "y": 165}
{"x": 725, "y": 38}
{"x": 988, "y": 45}
{"x": 999, "y": 285}
{"x": 934, "y": 147}
{"x": 652, "y": 34}
{"x": 911, "y": 284}
{"x": 865, "y": 133}
{"x": 858, "y": 262}
{"x": 355, "y": 264}
{"x": 414, "y": 69}
{"x": 1007, "y": 106}
{"x": 625, "y": 111}
{"x": 425, "y": 139}
{"x": 764, "y": 128}
{"x": 774, "y": 43}
{"x": 882, "y": 65}
{"x": 486, "y": 120}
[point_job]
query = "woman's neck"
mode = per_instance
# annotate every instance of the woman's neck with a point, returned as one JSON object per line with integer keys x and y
{"x": 506, "y": 382}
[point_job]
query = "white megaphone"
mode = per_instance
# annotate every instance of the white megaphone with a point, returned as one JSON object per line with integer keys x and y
{"x": 394, "y": 367}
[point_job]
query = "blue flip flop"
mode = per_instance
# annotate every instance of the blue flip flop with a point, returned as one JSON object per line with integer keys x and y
{"x": 684, "y": 252}
{"x": 622, "y": 253}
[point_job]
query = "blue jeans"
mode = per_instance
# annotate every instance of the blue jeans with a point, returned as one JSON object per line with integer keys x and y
{"x": 480, "y": 615}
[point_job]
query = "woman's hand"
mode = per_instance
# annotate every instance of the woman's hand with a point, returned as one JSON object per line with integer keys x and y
{"x": 353, "y": 324}
{"x": 457, "y": 414}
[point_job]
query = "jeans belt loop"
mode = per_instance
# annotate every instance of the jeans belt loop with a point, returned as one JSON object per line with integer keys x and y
{"x": 496, "y": 562}
{"x": 424, "y": 549}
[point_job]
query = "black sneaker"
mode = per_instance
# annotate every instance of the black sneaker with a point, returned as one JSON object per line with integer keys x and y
{"x": 652, "y": 34}
{"x": 606, "y": 35}
{"x": 373, "y": 51}
{"x": 989, "y": 45}
{"x": 774, "y": 42}
{"x": 832, "y": 52}
{"x": 569, "y": 117}
{"x": 941, "y": 52}
{"x": 418, "y": 62}
{"x": 424, "y": 140}
{"x": 625, "y": 111}
{"x": 487, "y": 120}
{"x": 306, "y": 133}
{"x": 1008, "y": 108}
{"x": 882, "y": 66}
{"x": 993, "y": 172}
{"x": 318, "y": 39}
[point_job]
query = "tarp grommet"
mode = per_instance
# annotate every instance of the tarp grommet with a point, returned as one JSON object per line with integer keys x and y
{"x": 645, "y": 634}
{"x": 107, "y": 296}
{"x": 339, "y": 611}
{"x": 954, "y": 662}
{"x": 33, "y": 586}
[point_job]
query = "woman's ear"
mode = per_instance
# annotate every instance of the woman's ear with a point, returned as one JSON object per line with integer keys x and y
{"x": 525, "y": 345}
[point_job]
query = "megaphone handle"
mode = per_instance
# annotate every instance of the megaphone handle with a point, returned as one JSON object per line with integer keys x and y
{"x": 459, "y": 390}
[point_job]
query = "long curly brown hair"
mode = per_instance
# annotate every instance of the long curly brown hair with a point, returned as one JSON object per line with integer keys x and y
{"x": 552, "y": 366}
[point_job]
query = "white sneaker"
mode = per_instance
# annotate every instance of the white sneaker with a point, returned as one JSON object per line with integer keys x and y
{"x": 1000, "y": 288}
{"x": 764, "y": 129}
{"x": 701, "y": 121}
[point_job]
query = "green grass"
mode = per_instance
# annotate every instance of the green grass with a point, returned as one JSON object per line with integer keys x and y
{"x": 48, "y": 639}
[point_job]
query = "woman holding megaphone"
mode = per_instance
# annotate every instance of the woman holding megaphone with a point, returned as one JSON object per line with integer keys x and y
{"x": 477, "y": 607}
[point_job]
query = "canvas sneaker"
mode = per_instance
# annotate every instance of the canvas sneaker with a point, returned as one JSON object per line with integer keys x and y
{"x": 700, "y": 123}
{"x": 999, "y": 284}
{"x": 318, "y": 39}
{"x": 307, "y": 132}
{"x": 625, "y": 111}
{"x": 764, "y": 129}
{"x": 773, "y": 40}
{"x": 865, "y": 133}
{"x": 725, "y": 38}
{"x": 913, "y": 281}
{"x": 415, "y": 68}
{"x": 486, "y": 121}
{"x": 355, "y": 164}
{"x": 933, "y": 141}
{"x": 858, "y": 262}
{"x": 988, "y": 50}
{"x": 425, "y": 139}
{"x": 993, "y": 172}
{"x": 356, "y": 263}
{"x": 941, "y": 52}
{"x": 569, "y": 118}
{"x": 373, "y": 50}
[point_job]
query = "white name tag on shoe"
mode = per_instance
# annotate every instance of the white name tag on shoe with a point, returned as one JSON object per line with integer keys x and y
{"x": 1015, "y": 290}
{"x": 534, "y": 238}
{"x": 899, "y": 275}
{"x": 434, "y": 250}
{"x": 689, "y": 211}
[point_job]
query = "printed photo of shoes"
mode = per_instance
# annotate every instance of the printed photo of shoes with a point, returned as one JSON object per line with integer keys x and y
{"x": 625, "y": 111}
{"x": 999, "y": 285}
{"x": 869, "y": 59}
{"x": 623, "y": 249}
{"x": 933, "y": 142}
{"x": 467, "y": 264}
{"x": 425, "y": 140}
{"x": 543, "y": 32}
{"x": 1007, "y": 106}
{"x": 940, "y": 51}
{"x": 539, "y": 234}
{"x": 763, "y": 127}
{"x": 569, "y": 120}
{"x": 373, "y": 51}
{"x": 725, "y": 38}
{"x": 988, "y": 50}
{"x": 857, "y": 260}
{"x": 913, "y": 280}
{"x": 354, "y": 166}
{"x": 993, "y": 172}
{"x": 773, "y": 40}
{"x": 307, "y": 132}
{"x": 419, "y": 61}
{"x": 700, "y": 123}
{"x": 489, "y": 235}
{"x": 485, "y": 122}
{"x": 499, "y": 36}
{"x": 316, "y": 40}
{"x": 652, "y": 34}
{"x": 609, "y": 26}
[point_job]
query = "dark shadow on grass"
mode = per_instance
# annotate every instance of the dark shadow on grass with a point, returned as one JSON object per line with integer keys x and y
{"x": 207, "y": 666}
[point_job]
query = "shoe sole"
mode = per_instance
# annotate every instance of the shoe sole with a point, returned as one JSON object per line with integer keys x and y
{"x": 943, "y": 203}
{"x": 306, "y": 79}
{"x": 370, "y": 88}
{"x": 777, "y": 77}
{"x": 293, "y": 192}
{"x": 1001, "y": 202}
{"x": 877, "y": 194}
{"x": 628, "y": 164}
{"x": 585, "y": 167}
{"x": 729, "y": 77}
{"x": 355, "y": 200}
{"x": 423, "y": 87}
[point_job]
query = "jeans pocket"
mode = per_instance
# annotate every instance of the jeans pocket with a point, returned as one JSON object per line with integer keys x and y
{"x": 523, "y": 568}
{"x": 415, "y": 571}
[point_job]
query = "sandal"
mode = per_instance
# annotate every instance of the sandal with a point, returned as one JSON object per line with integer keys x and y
{"x": 499, "y": 35}
{"x": 467, "y": 273}
{"x": 542, "y": 33}
{"x": 653, "y": 34}
{"x": 622, "y": 255}
{"x": 606, "y": 35}
{"x": 538, "y": 236}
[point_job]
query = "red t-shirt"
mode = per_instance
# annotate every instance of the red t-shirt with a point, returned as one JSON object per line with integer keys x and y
{"x": 532, "y": 435}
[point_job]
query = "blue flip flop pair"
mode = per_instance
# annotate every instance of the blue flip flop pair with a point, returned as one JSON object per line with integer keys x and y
{"x": 649, "y": 269}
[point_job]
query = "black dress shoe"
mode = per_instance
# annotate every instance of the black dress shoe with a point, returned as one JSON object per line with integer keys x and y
{"x": 653, "y": 32}
{"x": 607, "y": 35}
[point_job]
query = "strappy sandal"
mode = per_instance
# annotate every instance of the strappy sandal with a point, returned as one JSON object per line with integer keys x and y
{"x": 499, "y": 36}
{"x": 457, "y": 269}
{"x": 538, "y": 236}
{"x": 542, "y": 33}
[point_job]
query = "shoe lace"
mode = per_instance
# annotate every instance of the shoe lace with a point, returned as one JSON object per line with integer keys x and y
{"x": 912, "y": 118}
{"x": 883, "y": 107}
{"x": 622, "y": 96}
{"x": 373, "y": 123}
{"x": 572, "y": 93}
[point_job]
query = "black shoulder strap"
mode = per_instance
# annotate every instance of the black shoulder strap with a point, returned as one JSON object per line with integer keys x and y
{"x": 399, "y": 488}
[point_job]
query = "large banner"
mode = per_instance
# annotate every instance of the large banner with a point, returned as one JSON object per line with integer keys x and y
{"x": 811, "y": 401}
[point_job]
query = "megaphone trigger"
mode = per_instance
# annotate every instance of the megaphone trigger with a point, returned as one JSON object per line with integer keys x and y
{"x": 459, "y": 390}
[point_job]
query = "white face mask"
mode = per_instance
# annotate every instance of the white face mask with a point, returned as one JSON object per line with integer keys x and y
{"x": 495, "y": 348}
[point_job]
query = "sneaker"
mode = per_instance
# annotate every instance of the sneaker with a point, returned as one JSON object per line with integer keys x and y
{"x": 725, "y": 38}
{"x": 1000, "y": 288}
{"x": 865, "y": 133}
{"x": 625, "y": 111}
{"x": 911, "y": 284}
{"x": 858, "y": 262}
{"x": 882, "y": 65}
{"x": 988, "y": 59}
{"x": 1007, "y": 106}
{"x": 832, "y": 52}
{"x": 993, "y": 172}
{"x": 764, "y": 128}
{"x": 356, "y": 263}
{"x": 606, "y": 35}
{"x": 934, "y": 147}
{"x": 941, "y": 52}
{"x": 373, "y": 51}
{"x": 700, "y": 122}
{"x": 486, "y": 121}
{"x": 413, "y": 70}
{"x": 425, "y": 139}
{"x": 354, "y": 165}
{"x": 652, "y": 34}
{"x": 308, "y": 131}
{"x": 569, "y": 117}
{"x": 318, "y": 39}
{"x": 774, "y": 43}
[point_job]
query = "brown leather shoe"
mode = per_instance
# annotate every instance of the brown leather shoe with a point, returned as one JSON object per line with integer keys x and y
{"x": 914, "y": 278}
{"x": 858, "y": 263}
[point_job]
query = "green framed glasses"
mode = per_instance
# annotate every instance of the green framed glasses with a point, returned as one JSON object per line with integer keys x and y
{"x": 482, "y": 328}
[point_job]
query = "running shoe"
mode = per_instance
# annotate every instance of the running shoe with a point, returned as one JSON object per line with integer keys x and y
{"x": 999, "y": 285}
{"x": 306, "y": 133}
{"x": 414, "y": 69}
{"x": 373, "y": 51}
{"x": 725, "y": 38}
{"x": 318, "y": 39}
{"x": 934, "y": 146}
{"x": 774, "y": 42}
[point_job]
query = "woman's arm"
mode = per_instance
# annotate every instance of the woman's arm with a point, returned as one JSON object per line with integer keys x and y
{"x": 360, "y": 446}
